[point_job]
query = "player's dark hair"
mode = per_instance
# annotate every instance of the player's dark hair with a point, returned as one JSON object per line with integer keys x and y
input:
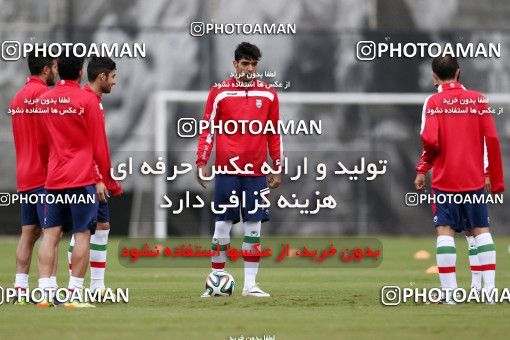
{"x": 36, "y": 64}
{"x": 98, "y": 65}
{"x": 247, "y": 51}
{"x": 69, "y": 67}
{"x": 445, "y": 67}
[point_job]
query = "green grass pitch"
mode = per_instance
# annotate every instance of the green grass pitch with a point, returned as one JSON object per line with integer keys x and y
{"x": 306, "y": 303}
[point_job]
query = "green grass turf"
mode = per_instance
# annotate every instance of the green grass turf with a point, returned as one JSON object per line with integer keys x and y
{"x": 306, "y": 303}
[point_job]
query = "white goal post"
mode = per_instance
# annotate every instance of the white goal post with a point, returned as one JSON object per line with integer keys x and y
{"x": 162, "y": 98}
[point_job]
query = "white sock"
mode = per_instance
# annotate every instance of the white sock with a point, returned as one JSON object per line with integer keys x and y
{"x": 474, "y": 263}
{"x": 446, "y": 257}
{"x": 250, "y": 274}
{"x": 251, "y": 264}
{"x": 487, "y": 258}
{"x": 98, "y": 243}
{"x": 75, "y": 282}
{"x": 53, "y": 280}
{"x": 45, "y": 283}
{"x": 21, "y": 281}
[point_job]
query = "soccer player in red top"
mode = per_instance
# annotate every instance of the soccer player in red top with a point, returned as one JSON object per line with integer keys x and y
{"x": 30, "y": 171}
{"x": 457, "y": 127}
{"x": 101, "y": 74}
{"x": 73, "y": 132}
{"x": 241, "y": 98}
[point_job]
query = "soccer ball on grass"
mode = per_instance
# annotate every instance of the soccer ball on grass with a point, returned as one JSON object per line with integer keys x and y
{"x": 220, "y": 283}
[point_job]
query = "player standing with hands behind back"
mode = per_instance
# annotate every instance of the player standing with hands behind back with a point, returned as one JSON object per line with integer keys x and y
{"x": 453, "y": 147}
{"x": 101, "y": 74}
{"x": 241, "y": 98}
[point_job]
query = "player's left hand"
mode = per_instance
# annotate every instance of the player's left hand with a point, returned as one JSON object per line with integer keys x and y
{"x": 419, "y": 182}
{"x": 102, "y": 192}
{"x": 205, "y": 173}
{"x": 274, "y": 180}
{"x": 488, "y": 186}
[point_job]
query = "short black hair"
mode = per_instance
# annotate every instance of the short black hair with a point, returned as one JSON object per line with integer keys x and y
{"x": 69, "y": 67}
{"x": 98, "y": 65}
{"x": 445, "y": 67}
{"x": 247, "y": 51}
{"x": 36, "y": 64}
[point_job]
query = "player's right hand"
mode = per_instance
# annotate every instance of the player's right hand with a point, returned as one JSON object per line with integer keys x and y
{"x": 202, "y": 169}
{"x": 419, "y": 182}
{"x": 102, "y": 192}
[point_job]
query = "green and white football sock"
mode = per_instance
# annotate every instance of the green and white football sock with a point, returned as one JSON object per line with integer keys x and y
{"x": 487, "y": 258}
{"x": 446, "y": 256}
{"x": 222, "y": 237}
{"x": 474, "y": 263}
{"x": 98, "y": 252}
{"x": 70, "y": 255}
{"x": 251, "y": 263}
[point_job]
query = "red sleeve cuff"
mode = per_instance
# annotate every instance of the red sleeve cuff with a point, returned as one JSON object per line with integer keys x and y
{"x": 116, "y": 190}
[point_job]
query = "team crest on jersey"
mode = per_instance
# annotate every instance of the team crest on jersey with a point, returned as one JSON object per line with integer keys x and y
{"x": 258, "y": 103}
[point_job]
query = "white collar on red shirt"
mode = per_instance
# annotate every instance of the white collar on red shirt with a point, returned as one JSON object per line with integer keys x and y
{"x": 450, "y": 86}
{"x": 35, "y": 79}
{"x": 68, "y": 83}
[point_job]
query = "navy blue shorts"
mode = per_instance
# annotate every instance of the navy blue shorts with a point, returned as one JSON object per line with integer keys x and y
{"x": 252, "y": 186}
{"x": 460, "y": 217}
{"x": 33, "y": 213}
{"x": 77, "y": 216}
{"x": 103, "y": 213}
